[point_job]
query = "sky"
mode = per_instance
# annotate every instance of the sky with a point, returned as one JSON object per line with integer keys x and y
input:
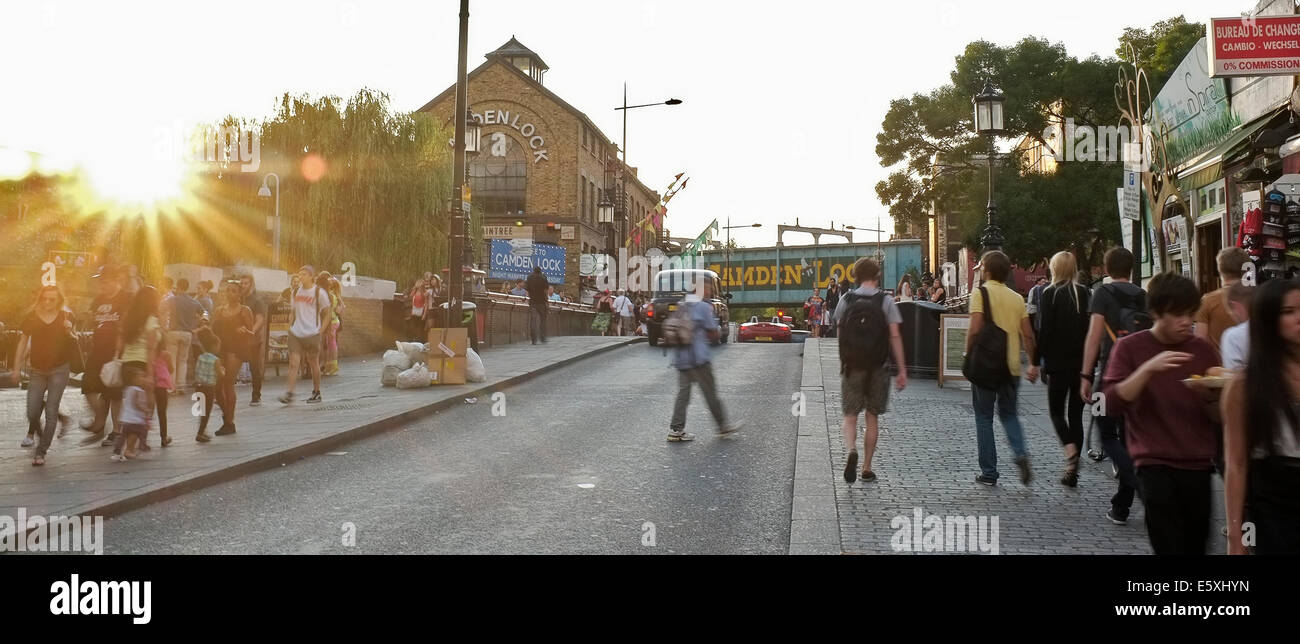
{"x": 782, "y": 101}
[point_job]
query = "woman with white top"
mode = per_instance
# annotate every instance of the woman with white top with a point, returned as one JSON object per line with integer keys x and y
{"x": 1261, "y": 434}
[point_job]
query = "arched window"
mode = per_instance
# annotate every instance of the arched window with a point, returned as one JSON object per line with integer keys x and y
{"x": 498, "y": 177}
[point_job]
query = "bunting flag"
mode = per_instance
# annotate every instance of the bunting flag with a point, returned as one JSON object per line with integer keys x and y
{"x": 654, "y": 217}
{"x": 697, "y": 244}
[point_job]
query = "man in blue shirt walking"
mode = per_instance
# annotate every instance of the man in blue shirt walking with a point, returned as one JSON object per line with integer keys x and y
{"x": 694, "y": 365}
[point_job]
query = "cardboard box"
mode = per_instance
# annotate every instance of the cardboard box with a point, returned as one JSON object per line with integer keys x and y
{"x": 456, "y": 340}
{"x": 450, "y": 371}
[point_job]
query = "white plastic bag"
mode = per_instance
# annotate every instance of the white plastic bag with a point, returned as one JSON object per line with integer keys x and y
{"x": 412, "y": 349}
{"x": 415, "y": 377}
{"x": 474, "y": 369}
{"x": 388, "y": 377}
{"x": 397, "y": 359}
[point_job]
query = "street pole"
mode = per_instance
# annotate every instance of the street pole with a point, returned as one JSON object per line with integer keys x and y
{"x": 727, "y": 279}
{"x": 992, "y": 238}
{"x": 457, "y": 221}
{"x": 623, "y": 173}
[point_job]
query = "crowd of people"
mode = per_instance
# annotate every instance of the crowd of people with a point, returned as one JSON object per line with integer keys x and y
{"x": 151, "y": 341}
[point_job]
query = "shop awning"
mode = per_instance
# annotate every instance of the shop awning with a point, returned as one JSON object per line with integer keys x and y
{"x": 1207, "y": 167}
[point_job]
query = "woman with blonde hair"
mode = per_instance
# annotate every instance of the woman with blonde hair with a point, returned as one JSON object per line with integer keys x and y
{"x": 330, "y": 333}
{"x": 1064, "y": 321}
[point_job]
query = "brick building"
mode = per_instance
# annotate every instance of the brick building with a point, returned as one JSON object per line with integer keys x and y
{"x": 543, "y": 166}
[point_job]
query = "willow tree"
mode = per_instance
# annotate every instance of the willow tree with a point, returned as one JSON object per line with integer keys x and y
{"x": 359, "y": 183}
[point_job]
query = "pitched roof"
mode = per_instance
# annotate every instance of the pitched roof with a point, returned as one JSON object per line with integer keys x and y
{"x": 515, "y": 48}
{"x": 491, "y": 59}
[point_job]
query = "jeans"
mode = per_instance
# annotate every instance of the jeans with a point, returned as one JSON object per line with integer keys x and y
{"x": 537, "y": 324}
{"x": 702, "y": 374}
{"x": 44, "y": 393}
{"x": 1062, "y": 394}
{"x": 257, "y": 366}
{"x": 1112, "y": 440}
{"x": 983, "y": 401}
{"x": 1177, "y": 504}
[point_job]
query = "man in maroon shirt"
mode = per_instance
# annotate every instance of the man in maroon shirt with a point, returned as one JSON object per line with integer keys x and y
{"x": 1172, "y": 434}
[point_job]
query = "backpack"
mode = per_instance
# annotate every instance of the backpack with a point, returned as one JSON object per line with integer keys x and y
{"x": 679, "y": 328}
{"x": 985, "y": 365}
{"x": 863, "y": 332}
{"x": 1133, "y": 316}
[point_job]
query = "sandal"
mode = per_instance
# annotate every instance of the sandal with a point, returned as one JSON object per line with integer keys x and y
{"x": 38, "y": 461}
{"x": 1071, "y": 476}
{"x": 868, "y": 476}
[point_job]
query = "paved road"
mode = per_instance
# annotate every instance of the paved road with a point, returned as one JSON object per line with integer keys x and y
{"x": 579, "y": 464}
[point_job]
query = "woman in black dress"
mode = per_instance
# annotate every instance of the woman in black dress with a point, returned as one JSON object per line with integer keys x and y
{"x": 1064, "y": 319}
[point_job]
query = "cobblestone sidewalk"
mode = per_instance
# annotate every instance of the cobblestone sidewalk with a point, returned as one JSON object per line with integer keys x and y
{"x": 926, "y": 460}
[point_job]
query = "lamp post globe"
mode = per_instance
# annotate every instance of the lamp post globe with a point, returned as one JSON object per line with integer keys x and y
{"x": 989, "y": 122}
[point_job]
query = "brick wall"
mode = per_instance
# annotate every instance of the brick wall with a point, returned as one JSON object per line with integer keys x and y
{"x": 363, "y": 328}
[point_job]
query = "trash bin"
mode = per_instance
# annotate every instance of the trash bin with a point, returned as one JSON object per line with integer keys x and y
{"x": 920, "y": 331}
{"x": 468, "y": 319}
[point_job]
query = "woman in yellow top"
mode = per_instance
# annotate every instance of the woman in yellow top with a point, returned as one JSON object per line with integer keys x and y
{"x": 330, "y": 366}
{"x": 141, "y": 334}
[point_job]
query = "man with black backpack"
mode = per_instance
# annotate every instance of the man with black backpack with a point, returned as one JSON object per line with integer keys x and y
{"x": 999, "y": 323}
{"x": 867, "y": 321}
{"x": 1118, "y": 309}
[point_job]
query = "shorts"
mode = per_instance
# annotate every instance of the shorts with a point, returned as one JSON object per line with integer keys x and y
{"x": 308, "y": 346}
{"x": 91, "y": 383}
{"x": 865, "y": 391}
{"x": 135, "y": 429}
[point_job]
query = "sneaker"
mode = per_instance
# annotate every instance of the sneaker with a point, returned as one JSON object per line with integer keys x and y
{"x": 28, "y": 441}
{"x": 202, "y": 437}
{"x": 851, "y": 468}
{"x": 678, "y": 435}
{"x": 109, "y": 440}
{"x": 1115, "y": 518}
{"x": 167, "y": 441}
{"x": 256, "y": 402}
{"x": 315, "y": 397}
{"x": 226, "y": 430}
{"x": 117, "y": 458}
{"x": 93, "y": 438}
{"x": 730, "y": 428}
{"x": 986, "y": 480}
{"x": 287, "y": 398}
{"x": 1026, "y": 474}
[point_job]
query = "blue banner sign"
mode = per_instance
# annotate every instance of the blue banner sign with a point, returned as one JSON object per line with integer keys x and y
{"x": 515, "y": 259}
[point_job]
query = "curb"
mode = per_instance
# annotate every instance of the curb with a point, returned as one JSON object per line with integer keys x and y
{"x": 814, "y": 515}
{"x": 315, "y": 446}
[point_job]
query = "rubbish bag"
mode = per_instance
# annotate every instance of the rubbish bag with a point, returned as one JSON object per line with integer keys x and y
{"x": 393, "y": 358}
{"x": 474, "y": 369}
{"x": 415, "y": 377}
{"x": 389, "y": 376}
{"x": 412, "y": 349}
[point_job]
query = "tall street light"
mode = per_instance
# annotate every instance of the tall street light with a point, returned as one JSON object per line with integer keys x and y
{"x": 625, "y": 108}
{"x": 265, "y": 192}
{"x": 880, "y": 249}
{"x": 458, "y": 235}
{"x": 728, "y": 227}
{"x": 988, "y": 122}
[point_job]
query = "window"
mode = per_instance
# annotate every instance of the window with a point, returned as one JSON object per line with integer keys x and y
{"x": 1211, "y": 198}
{"x": 582, "y": 187}
{"x": 499, "y": 177}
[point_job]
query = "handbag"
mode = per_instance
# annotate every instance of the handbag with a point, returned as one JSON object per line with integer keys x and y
{"x": 985, "y": 365}
{"x": 111, "y": 373}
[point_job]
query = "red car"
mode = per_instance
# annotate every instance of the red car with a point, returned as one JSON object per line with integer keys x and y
{"x": 774, "y": 330}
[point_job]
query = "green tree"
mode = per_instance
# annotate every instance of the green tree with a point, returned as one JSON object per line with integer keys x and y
{"x": 942, "y": 163}
{"x": 1161, "y": 48}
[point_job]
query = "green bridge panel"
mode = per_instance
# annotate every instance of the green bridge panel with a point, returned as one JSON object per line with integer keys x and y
{"x": 785, "y": 275}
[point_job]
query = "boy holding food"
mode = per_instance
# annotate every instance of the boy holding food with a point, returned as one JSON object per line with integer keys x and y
{"x": 1172, "y": 434}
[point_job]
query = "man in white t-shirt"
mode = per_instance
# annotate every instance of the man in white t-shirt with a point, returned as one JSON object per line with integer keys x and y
{"x": 623, "y": 308}
{"x": 1234, "y": 345}
{"x": 309, "y": 306}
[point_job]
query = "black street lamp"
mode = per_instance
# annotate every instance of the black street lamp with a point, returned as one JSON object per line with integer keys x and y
{"x": 726, "y": 282}
{"x": 624, "y": 108}
{"x": 989, "y": 122}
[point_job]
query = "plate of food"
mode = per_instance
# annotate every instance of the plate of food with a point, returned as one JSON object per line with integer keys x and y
{"x": 1214, "y": 378}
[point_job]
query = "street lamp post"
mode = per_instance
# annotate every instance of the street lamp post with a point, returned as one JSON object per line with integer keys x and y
{"x": 458, "y": 221}
{"x": 625, "y": 108}
{"x": 988, "y": 121}
{"x": 265, "y": 192}
{"x": 728, "y": 227}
